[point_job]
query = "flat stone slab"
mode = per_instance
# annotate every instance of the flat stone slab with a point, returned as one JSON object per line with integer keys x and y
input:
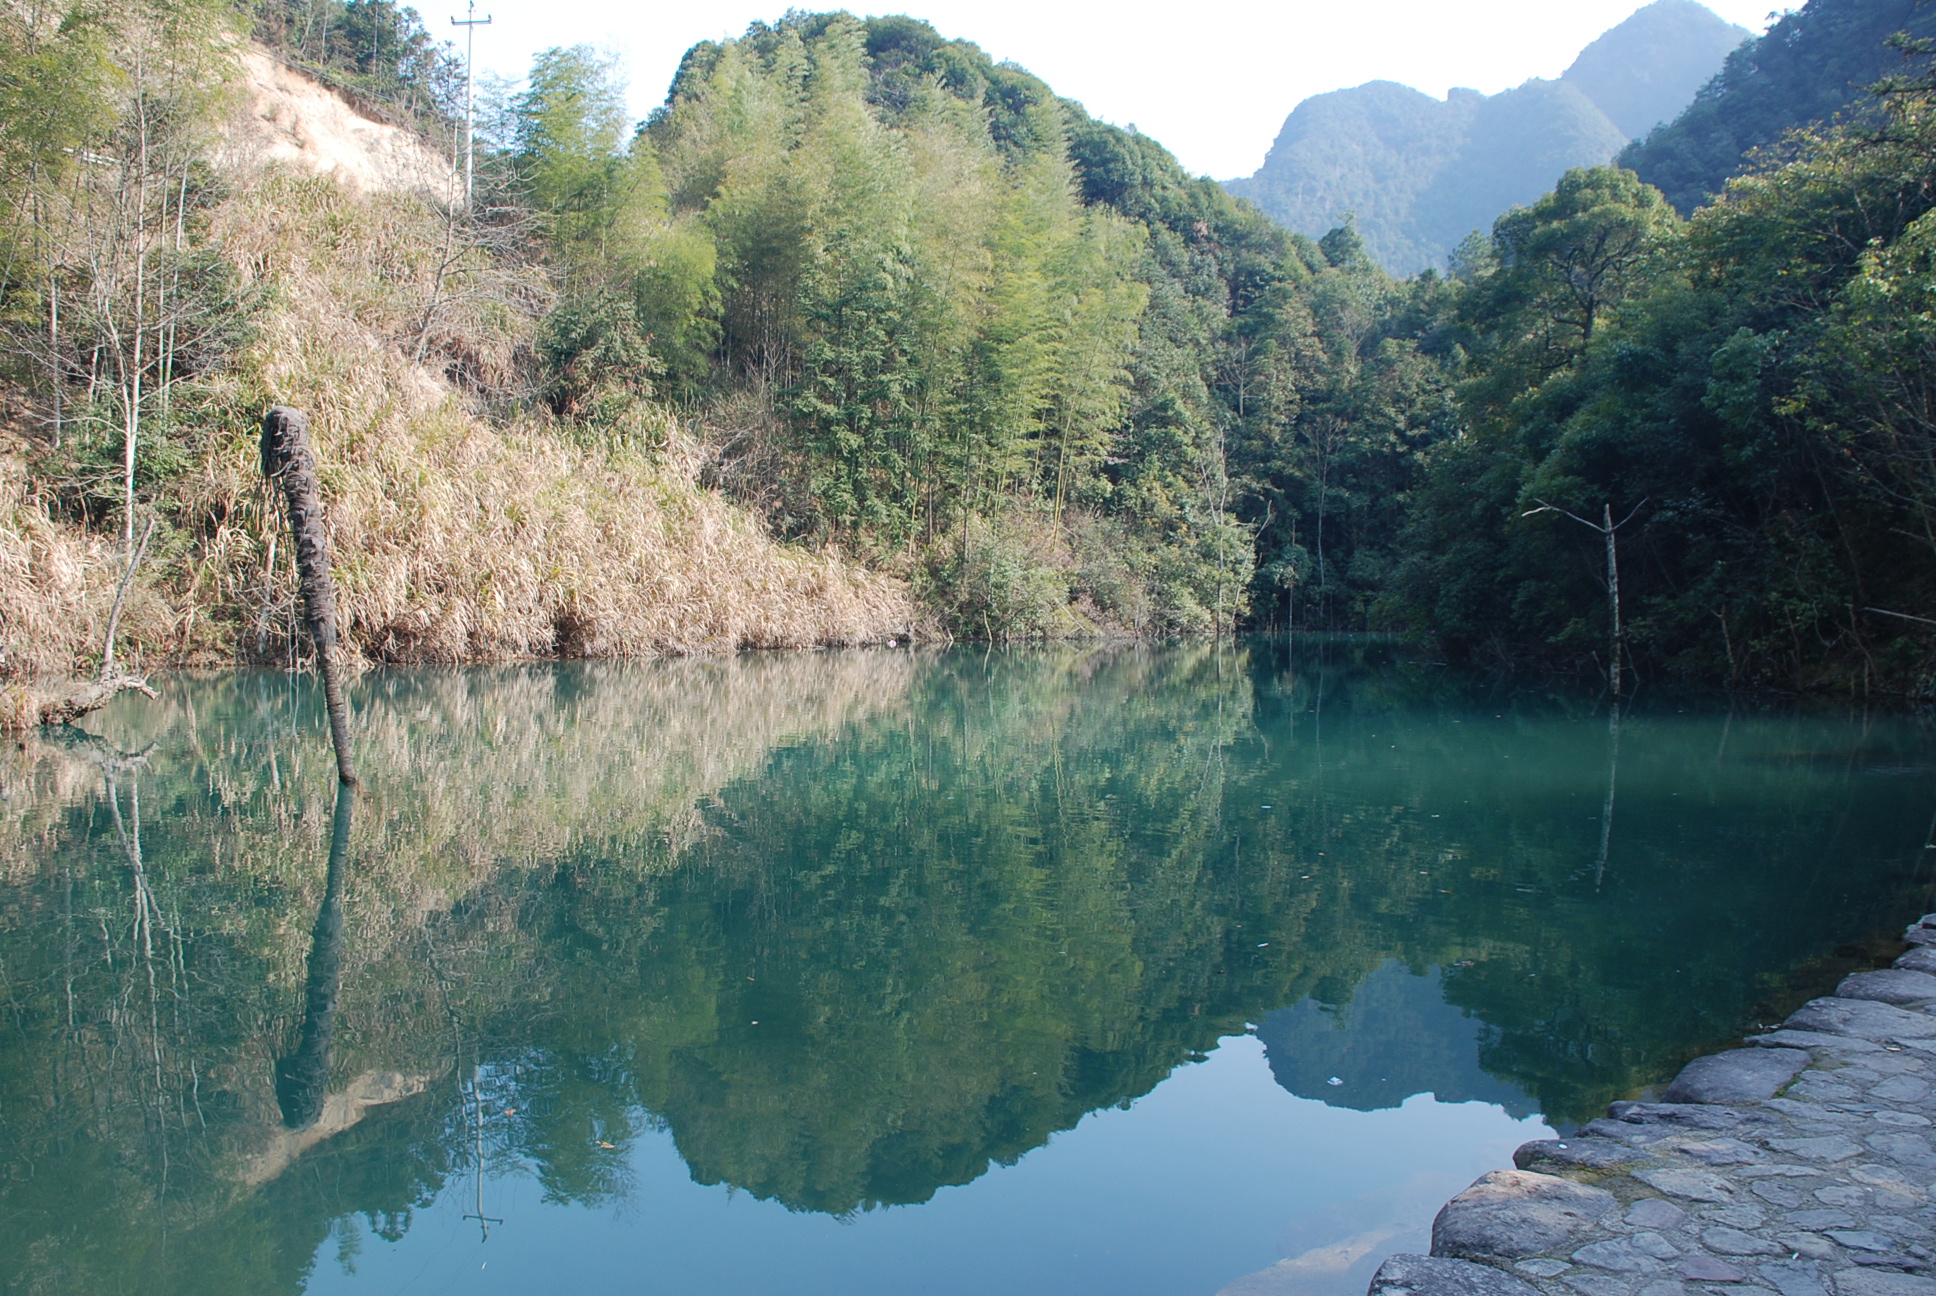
{"x": 1816, "y": 1220}
{"x": 1720, "y": 1151}
{"x": 1543, "y": 1268}
{"x": 1655, "y": 1213}
{"x": 1922, "y": 931}
{"x": 1890, "y": 985}
{"x": 1865, "y": 1240}
{"x": 1881, "y": 1282}
{"x": 1792, "y": 1277}
{"x": 1906, "y": 1149}
{"x": 1802, "y": 1039}
{"x": 1739, "y": 1242}
{"x": 1704, "y": 1268}
{"x": 1690, "y": 1185}
{"x": 1639, "y": 1136}
{"x": 1618, "y": 1255}
{"x": 1825, "y": 1147}
{"x": 1920, "y": 959}
{"x": 1510, "y": 1214}
{"x": 1586, "y": 1153}
{"x": 1863, "y": 1019}
{"x": 1417, "y": 1275}
{"x": 1900, "y": 1089}
{"x": 1741, "y": 1075}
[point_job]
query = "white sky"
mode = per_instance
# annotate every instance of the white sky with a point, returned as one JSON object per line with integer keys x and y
{"x": 1214, "y": 88}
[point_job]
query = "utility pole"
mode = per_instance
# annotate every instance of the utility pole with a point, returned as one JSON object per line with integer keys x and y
{"x": 470, "y": 23}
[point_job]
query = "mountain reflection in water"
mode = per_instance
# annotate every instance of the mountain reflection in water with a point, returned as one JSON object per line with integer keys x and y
{"x": 851, "y": 928}
{"x": 1398, "y": 1037}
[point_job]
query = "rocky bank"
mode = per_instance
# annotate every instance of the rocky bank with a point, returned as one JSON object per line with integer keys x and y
{"x": 1799, "y": 1165}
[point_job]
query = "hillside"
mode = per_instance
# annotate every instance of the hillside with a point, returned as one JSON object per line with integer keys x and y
{"x": 864, "y": 334}
{"x": 291, "y": 120}
{"x": 458, "y": 533}
{"x": 1419, "y": 174}
{"x": 1814, "y": 64}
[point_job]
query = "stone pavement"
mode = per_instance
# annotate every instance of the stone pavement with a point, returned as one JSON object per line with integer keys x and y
{"x": 1801, "y": 1165}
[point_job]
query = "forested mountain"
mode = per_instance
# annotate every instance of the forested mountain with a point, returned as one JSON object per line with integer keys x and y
{"x": 1815, "y": 63}
{"x": 1644, "y": 71}
{"x": 889, "y": 296}
{"x": 864, "y": 335}
{"x": 1418, "y": 174}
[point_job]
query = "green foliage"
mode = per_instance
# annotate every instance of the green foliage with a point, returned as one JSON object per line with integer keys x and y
{"x": 567, "y": 149}
{"x": 120, "y": 311}
{"x": 1339, "y": 385}
{"x": 1810, "y": 68}
{"x": 1558, "y": 268}
{"x": 911, "y": 250}
{"x": 594, "y": 353}
{"x": 1755, "y": 387}
{"x": 1004, "y": 579}
{"x": 635, "y": 286}
{"x": 920, "y": 308}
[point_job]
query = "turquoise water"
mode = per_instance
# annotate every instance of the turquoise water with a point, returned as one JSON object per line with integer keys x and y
{"x": 1144, "y": 971}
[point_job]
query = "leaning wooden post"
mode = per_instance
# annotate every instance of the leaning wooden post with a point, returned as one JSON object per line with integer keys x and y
{"x": 287, "y": 458}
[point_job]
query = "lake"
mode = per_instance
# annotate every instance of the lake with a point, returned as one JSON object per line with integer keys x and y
{"x": 1147, "y": 971}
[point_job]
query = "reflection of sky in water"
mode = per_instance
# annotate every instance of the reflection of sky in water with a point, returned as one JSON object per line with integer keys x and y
{"x": 1396, "y": 1037}
{"x": 1217, "y": 1171}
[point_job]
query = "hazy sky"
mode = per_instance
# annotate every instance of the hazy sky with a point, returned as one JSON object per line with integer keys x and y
{"x": 1213, "y": 80}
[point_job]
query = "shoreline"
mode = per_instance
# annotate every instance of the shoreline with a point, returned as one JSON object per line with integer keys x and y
{"x": 1799, "y": 1164}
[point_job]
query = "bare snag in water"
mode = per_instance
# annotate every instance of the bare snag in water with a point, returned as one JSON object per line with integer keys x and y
{"x": 287, "y": 458}
{"x": 77, "y": 700}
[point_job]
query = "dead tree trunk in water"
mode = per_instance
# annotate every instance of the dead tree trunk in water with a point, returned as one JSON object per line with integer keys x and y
{"x": 1609, "y": 528}
{"x": 287, "y": 458}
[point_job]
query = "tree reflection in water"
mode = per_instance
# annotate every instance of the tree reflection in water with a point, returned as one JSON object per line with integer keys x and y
{"x": 852, "y": 927}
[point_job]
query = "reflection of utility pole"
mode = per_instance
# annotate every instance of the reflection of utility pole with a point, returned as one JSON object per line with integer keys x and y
{"x": 1607, "y": 529}
{"x": 470, "y": 23}
{"x": 484, "y": 1221}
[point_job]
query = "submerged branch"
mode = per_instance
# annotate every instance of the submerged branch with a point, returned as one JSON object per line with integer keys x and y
{"x": 67, "y": 702}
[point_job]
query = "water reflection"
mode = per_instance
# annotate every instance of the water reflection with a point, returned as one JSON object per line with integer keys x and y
{"x": 302, "y": 1078}
{"x": 850, "y": 929}
{"x": 1395, "y": 1039}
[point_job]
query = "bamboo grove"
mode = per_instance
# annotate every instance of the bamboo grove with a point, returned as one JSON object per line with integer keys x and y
{"x": 906, "y": 305}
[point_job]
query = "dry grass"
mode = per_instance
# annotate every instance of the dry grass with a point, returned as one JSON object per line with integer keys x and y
{"x": 57, "y": 583}
{"x": 454, "y": 539}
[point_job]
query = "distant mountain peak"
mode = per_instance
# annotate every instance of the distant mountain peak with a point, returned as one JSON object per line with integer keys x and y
{"x": 1421, "y": 173}
{"x": 1646, "y": 70}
